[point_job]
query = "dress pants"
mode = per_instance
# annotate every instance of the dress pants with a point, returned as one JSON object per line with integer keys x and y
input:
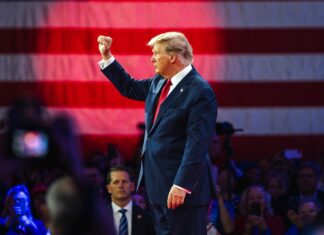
{"x": 184, "y": 220}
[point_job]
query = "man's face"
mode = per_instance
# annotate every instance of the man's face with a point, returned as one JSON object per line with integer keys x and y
{"x": 161, "y": 60}
{"x": 307, "y": 181}
{"x": 120, "y": 186}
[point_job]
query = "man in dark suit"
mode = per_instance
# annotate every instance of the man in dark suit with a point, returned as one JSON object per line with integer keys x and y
{"x": 120, "y": 186}
{"x": 180, "y": 115}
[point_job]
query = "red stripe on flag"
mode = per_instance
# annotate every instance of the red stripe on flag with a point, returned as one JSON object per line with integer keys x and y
{"x": 245, "y": 147}
{"x": 204, "y": 41}
{"x": 104, "y": 95}
{"x": 267, "y": 94}
{"x": 261, "y": 147}
{"x": 68, "y": 94}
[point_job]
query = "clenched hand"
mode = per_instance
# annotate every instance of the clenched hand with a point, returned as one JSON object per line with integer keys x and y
{"x": 104, "y": 44}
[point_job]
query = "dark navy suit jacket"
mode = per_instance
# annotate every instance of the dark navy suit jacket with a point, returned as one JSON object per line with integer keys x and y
{"x": 175, "y": 148}
{"x": 142, "y": 222}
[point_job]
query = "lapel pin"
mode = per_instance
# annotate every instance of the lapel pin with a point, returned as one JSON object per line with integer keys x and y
{"x": 181, "y": 90}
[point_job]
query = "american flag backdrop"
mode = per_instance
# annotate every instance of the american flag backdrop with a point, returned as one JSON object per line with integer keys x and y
{"x": 264, "y": 59}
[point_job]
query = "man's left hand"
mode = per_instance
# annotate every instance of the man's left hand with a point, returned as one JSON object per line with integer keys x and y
{"x": 176, "y": 197}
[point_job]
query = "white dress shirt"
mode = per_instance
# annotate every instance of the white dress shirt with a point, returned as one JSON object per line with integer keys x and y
{"x": 176, "y": 79}
{"x": 118, "y": 215}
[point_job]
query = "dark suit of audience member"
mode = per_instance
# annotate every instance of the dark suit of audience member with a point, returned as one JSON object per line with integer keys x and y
{"x": 141, "y": 221}
{"x": 308, "y": 178}
{"x": 120, "y": 187}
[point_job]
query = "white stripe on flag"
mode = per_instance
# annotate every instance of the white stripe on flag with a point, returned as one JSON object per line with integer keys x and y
{"x": 254, "y": 121}
{"x": 275, "y": 121}
{"x": 234, "y": 68}
{"x": 279, "y": 14}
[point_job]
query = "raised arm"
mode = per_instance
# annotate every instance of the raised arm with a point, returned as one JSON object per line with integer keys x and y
{"x": 126, "y": 85}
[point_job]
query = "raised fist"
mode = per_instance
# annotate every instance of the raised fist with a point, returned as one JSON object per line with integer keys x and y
{"x": 104, "y": 44}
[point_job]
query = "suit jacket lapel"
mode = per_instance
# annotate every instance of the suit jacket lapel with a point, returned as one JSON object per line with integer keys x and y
{"x": 176, "y": 93}
{"x": 151, "y": 108}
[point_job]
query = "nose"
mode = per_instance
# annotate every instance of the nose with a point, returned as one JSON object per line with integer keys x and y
{"x": 152, "y": 58}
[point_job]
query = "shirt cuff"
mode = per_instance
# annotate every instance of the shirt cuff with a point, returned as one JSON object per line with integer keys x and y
{"x": 183, "y": 189}
{"x": 105, "y": 63}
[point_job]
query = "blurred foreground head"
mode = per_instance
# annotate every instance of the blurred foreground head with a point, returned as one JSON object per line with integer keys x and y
{"x": 75, "y": 209}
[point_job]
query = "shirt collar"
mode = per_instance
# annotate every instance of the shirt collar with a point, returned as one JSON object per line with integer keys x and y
{"x": 179, "y": 76}
{"x": 116, "y": 208}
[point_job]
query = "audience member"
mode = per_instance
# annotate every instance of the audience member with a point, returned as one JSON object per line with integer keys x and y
{"x": 127, "y": 215}
{"x": 73, "y": 205}
{"x": 265, "y": 166}
{"x": 74, "y": 209}
{"x": 100, "y": 160}
{"x": 227, "y": 181}
{"x": 221, "y": 214}
{"x": 303, "y": 220}
{"x": 252, "y": 175}
{"x": 256, "y": 214}
{"x": 215, "y": 150}
{"x": 308, "y": 175}
{"x": 95, "y": 178}
{"x": 286, "y": 167}
{"x": 278, "y": 186}
{"x": 115, "y": 158}
{"x": 17, "y": 216}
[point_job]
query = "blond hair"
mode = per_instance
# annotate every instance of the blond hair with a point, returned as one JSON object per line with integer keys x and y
{"x": 243, "y": 205}
{"x": 175, "y": 42}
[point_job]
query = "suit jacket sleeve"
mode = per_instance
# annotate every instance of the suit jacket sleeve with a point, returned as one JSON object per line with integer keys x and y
{"x": 127, "y": 85}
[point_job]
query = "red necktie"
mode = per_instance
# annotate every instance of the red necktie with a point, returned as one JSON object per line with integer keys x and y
{"x": 163, "y": 95}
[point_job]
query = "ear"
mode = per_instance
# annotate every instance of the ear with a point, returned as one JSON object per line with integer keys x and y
{"x": 108, "y": 188}
{"x": 173, "y": 58}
